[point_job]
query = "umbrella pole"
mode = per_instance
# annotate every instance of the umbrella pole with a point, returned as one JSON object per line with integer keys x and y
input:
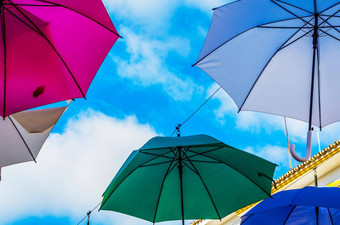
{"x": 180, "y": 169}
{"x": 315, "y": 46}
{"x": 310, "y": 129}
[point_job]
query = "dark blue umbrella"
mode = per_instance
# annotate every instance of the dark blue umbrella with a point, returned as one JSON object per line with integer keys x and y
{"x": 307, "y": 206}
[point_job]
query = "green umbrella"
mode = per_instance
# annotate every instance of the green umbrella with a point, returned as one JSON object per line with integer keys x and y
{"x": 172, "y": 178}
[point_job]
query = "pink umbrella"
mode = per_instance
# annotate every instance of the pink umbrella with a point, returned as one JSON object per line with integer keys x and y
{"x": 50, "y": 50}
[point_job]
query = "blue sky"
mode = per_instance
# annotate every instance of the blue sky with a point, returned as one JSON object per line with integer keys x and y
{"x": 145, "y": 87}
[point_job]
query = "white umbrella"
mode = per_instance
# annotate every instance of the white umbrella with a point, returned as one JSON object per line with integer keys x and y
{"x": 23, "y": 134}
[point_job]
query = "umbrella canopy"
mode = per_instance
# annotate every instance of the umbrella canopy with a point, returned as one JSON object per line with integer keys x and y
{"x": 173, "y": 178}
{"x": 308, "y": 206}
{"x": 277, "y": 57}
{"x": 23, "y": 134}
{"x": 50, "y": 50}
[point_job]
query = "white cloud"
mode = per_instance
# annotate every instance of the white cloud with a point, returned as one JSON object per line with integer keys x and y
{"x": 147, "y": 64}
{"x": 272, "y": 153}
{"x": 73, "y": 170}
{"x": 156, "y": 12}
{"x": 206, "y": 6}
{"x": 150, "y": 14}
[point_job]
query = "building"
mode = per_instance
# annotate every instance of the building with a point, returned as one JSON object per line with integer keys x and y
{"x": 325, "y": 165}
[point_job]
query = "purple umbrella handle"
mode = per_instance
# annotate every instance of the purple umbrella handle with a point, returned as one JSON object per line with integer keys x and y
{"x": 308, "y": 151}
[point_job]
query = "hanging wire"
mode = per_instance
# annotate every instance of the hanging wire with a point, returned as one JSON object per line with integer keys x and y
{"x": 88, "y": 215}
{"x": 289, "y": 156}
{"x": 181, "y": 124}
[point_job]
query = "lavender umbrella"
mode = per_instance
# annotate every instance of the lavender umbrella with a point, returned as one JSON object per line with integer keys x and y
{"x": 278, "y": 57}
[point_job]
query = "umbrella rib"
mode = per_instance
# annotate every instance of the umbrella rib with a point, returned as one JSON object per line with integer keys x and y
{"x": 148, "y": 153}
{"x": 329, "y": 7}
{"x": 32, "y": 28}
{"x": 161, "y": 189}
{"x": 187, "y": 165}
{"x": 23, "y": 4}
{"x": 211, "y": 150}
{"x": 205, "y": 186}
{"x": 296, "y": 40}
{"x": 127, "y": 177}
{"x": 202, "y": 161}
{"x": 273, "y": 27}
{"x": 3, "y": 29}
{"x": 329, "y": 35}
{"x": 330, "y": 216}
{"x": 55, "y": 50}
{"x": 175, "y": 153}
{"x": 265, "y": 66}
{"x": 319, "y": 91}
{"x": 233, "y": 169}
{"x": 156, "y": 157}
{"x": 329, "y": 17}
{"x": 243, "y": 33}
{"x": 330, "y": 25}
{"x": 22, "y": 138}
{"x": 155, "y": 164}
{"x": 299, "y": 17}
{"x": 173, "y": 147}
{"x": 289, "y": 215}
{"x": 294, "y": 6}
{"x": 80, "y": 13}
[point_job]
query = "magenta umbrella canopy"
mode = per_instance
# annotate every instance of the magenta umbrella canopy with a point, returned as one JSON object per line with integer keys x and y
{"x": 50, "y": 50}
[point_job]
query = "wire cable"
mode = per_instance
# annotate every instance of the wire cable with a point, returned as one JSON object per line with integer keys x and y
{"x": 88, "y": 214}
{"x": 181, "y": 124}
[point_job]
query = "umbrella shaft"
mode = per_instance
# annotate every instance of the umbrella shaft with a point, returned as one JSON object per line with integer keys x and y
{"x": 315, "y": 46}
{"x": 180, "y": 170}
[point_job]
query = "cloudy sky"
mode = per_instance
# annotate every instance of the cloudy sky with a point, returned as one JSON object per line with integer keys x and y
{"x": 145, "y": 87}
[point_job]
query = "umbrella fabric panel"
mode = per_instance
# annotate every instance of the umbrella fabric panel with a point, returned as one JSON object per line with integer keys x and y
{"x": 92, "y": 8}
{"x": 86, "y": 39}
{"x": 34, "y": 141}
{"x": 168, "y": 142}
{"x": 243, "y": 59}
{"x": 274, "y": 216}
{"x": 196, "y": 201}
{"x": 13, "y": 150}
{"x": 237, "y": 17}
{"x": 323, "y": 5}
{"x": 137, "y": 195}
{"x": 258, "y": 170}
{"x": 323, "y": 197}
{"x": 285, "y": 84}
{"x": 335, "y": 213}
{"x": 279, "y": 200}
{"x": 290, "y": 215}
{"x": 308, "y": 196}
{"x": 37, "y": 121}
{"x": 131, "y": 164}
{"x": 329, "y": 79}
{"x": 17, "y": 144}
{"x": 228, "y": 189}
